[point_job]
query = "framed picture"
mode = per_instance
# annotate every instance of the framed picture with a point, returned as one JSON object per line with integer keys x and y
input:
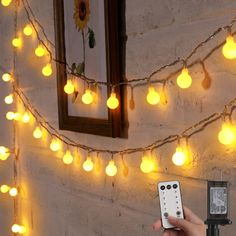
{"x": 90, "y": 45}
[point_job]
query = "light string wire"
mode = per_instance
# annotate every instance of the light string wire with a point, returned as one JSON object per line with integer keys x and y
{"x": 187, "y": 133}
{"x": 139, "y": 81}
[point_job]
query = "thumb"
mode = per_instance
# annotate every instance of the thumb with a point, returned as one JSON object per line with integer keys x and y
{"x": 180, "y": 223}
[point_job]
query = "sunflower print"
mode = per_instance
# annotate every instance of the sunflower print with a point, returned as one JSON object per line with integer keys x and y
{"x": 81, "y": 13}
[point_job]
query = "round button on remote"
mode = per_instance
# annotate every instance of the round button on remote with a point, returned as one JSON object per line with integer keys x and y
{"x": 168, "y": 186}
{"x": 178, "y": 213}
{"x": 166, "y": 214}
{"x": 162, "y": 187}
{"x": 175, "y": 186}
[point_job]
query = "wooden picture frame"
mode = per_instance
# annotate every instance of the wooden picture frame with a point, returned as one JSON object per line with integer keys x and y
{"x": 115, "y": 125}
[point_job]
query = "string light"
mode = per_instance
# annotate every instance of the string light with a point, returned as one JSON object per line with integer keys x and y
{"x": 18, "y": 229}
{"x": 26, "y": 117}
{"x": 179, "y": 158}
{"x": 229, "y": 48}
{"x": 68, "y": 158}
{"x": 47, "y": 70}
{"x": 111, "y": 169}
{"x": 9, "y": 99}
{"x": 153, "y": 96}
{"x": 87, "y": 97}
{"x": 6, "y": 3}
{"x": 6, "y": 77}
{"x": 37, "y": 133}
{"x": 40, "y": 51}
{"x": 146, "y": 165}
{"x": 4, "y": 188}
{"x": 88, "y": 164}
{"x": 112, "y": 101}
{"x": 16, "y": 42}
{"x": 28, "y": 30}
{"x": 184, "y": 80}
{"x": 227, "y": 134}
{"x": 4, "y": 153}
{"x": 10, "y": 115}
{"x": 69, "y": 87}
{"x": 13, "y": 192}
{"x": 55, "y": 145}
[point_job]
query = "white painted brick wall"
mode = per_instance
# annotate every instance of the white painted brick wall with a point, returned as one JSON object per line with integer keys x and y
{"x": 64, "y": 201}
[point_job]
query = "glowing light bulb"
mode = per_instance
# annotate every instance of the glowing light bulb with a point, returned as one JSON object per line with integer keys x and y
{"x": 28, "y": 30}
{"x": 4, "y": 188}
{"x": 40, "y": 51}
{"x": 6, "y": 3}
{"x": 153, "y": 96}
{"x": 15, "y": 228}
{"x": 87, "y": 97}
{"x": 184, "y": 80}
{"x": 47, "y": 70}
{"x": 67, "y": 158}
{"x": 229, "y": 48}
{"x": 227, "y": 134}
{"x": 112, "y": 101}
{"x": 13, "y": 192}
{"x": 69, "y": 87}
{"x": 179, "y": 157}
{"x": 16, "y": 42}
{"x": 111, "y": 169}
{"x": 146, "y": 165}
{"x": 4, "y": 153}
{"x": 25, "y": 117}
{"x": 9, "y": 99}
{"x": 6, "y": 77}
{"x": 37, "y": 133}
{"x": 10, "y": 115}
{"x": 55, "y": 145}
{"x": 88, "y": 164}
{"x": 22, "y": 229}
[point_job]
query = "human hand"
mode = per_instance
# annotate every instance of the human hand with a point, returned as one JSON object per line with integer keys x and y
{"x": 192, "y": 225}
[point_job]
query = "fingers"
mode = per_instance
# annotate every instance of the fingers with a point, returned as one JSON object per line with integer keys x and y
{"x": 189, "y": 215}
{"x": 170, "y": 233}
{"x": 157, "y": 225}
{"x": 181, "y": 223}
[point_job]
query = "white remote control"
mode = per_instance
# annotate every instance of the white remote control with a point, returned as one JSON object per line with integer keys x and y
{"x": 170, "y": 202}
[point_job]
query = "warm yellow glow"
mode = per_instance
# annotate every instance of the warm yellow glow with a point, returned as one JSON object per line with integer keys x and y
{"x": 111, "y": 169}
{"x": 87, "y": 97}
{"x": 6, "y": 77}
{"x": 4, "y": 188}
{"x": 184, "y": 80}
{"x": 227, "y": 134}
{"x": 18, "y": 229}
{"x": 179, "y": 158}
{"x": 40, "y": 51}
{"x": 13, "y": 192}
{"x": 10, "y": 115}
{"x": 37, "y": 132}
{"x": 6, "y": 3}
{"x": 112, "y": 101}
{"x": 153, "y": 96}
{"x": 17, "y": 116}
{"x": 67, "y": 158}
{"x": 229, "y": 48}
{"x": 9, "y": 99}
{"x": 146, "y": 165}
{"x": 69, "y": 87}
{"x": 4, "y": 153}
{"x": 16, "y": 42}
{"x": 55, "y": 145}
{"x": 47, "y": 70}
{"x": 25, "y": 117}
{"x": 28, "y": 30}
{"x": 88, "y": 164}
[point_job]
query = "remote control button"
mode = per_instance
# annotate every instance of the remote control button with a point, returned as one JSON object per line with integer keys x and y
{"x": 175, "y": 186}
{"x": 162, "y": 187}
{"x": 166, "y": 214}
{"x": 178, "y": 213}
{"x": 168, "y": 186}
